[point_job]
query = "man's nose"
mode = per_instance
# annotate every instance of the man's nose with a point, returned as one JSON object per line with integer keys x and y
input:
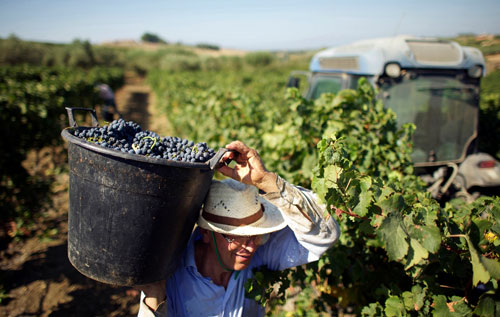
{"x": 250, "y": 245}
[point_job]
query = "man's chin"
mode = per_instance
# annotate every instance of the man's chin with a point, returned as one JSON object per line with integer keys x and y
{"x": 241, "y": 267}
{"x": 242, "y": 262}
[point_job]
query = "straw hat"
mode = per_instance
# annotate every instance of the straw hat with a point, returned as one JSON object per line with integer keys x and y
{"x": 235, "y": 208}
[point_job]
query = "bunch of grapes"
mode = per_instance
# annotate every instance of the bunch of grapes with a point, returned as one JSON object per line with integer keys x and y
{"x": 128, "y": 137}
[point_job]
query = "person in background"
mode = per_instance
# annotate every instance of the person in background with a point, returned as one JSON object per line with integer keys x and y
{"x": 108, "y": 109}
{"x": 254, "y": 218}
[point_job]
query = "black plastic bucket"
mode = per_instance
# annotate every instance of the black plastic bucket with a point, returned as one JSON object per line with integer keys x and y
{"x": 130, "y": 216}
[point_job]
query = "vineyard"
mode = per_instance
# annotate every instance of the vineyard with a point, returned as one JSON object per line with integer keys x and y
{"x": 401, "y": 253}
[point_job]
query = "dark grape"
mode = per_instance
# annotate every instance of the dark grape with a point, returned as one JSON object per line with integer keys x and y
{"x": 129, "y": 137}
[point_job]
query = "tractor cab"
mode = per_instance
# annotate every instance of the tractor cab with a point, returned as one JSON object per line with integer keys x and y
{"x": 429, "y": 82}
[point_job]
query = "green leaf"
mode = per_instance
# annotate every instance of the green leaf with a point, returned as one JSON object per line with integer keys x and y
{"x": 331, "y": 175}
{"x": 382, "y": 194}
{"x": 441, "y": 308}
{"x": 460, "y": 307}
{"x": 392, "y": 204}
{"x": 319, "y": 187}
{"x": 418, "y": 296}
{"x": 480, "y": 274}
{"x": 485, "y": 307}
{"x": 308, "y": 164}
{"x": 361, "y": 208}
{"x": 365, "y": 183}
{"x": 492, "y": 266}
{"x": 372, "y": 310}
{"x": 408, "y": 300}
{"x": 428, "y": 236}
{"x": 416, "y": 254}
{"x": 495, "y": 210}
{"x": 259, "y": 277}
{"x": 414, "y": 300}
{"x": 394, "y": 307}
{"x": 394, "y": 237}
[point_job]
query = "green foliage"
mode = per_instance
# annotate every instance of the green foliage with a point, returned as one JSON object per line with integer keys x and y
{"x": 218, "y": 107}
{"x": 32, "y": 104}
{"x": 151, "y": 38}
{"x": 233, "y": 63}
{"x": 208, "y": 46}
{"x": 259, "y": 59}
{"x": 14, "y": 51}
{"x": 81, "y": 54}
{"x": 178, "y": 63}
{"x": 400, "y": 252}
{"x": 168, "y": 57}
{"x": 489, "y": 129}
{"x": 356, "y": 116}
{"x": 431, "y": 256}
{"x": 3, "y": 294}
{"x": 491, "y": 82}
{"x": 257, "y": 290}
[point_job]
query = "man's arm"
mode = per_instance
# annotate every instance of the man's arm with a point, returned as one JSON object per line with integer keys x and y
{"x": 312, "y": 226}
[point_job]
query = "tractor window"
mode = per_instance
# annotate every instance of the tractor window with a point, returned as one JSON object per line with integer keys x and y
{"x": 444, "y": 110}
{"x": 324, "y": 84}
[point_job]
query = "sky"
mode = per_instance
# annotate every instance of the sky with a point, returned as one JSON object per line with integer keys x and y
{"x": 247, "y": 25}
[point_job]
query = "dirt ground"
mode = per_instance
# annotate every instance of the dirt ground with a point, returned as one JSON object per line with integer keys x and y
{"x": 38, "y": 278}
{"x": 492, "y": 62}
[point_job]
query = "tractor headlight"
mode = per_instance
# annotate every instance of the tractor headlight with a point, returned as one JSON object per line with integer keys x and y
{"x": 393, "y": 70}
{"x": 475, "y": 71}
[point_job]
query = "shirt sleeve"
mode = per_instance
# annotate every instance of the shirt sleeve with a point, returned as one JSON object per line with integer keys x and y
{"x": 145, "y": 311}
{"x": 310, "y": 229}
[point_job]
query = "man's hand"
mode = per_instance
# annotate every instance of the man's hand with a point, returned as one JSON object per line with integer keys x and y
{"x": 155, "y": 294}
{"x": 249, "y": 168}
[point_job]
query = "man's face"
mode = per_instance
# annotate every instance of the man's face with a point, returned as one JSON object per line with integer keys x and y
{"x": 236, "y": 251}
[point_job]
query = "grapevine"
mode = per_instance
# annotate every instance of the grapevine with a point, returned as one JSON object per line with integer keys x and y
{"x": 32, "y": 102}
{"x": 400, "y": 252}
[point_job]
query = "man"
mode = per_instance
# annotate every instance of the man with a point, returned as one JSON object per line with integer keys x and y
{"x": 109, "y": 105}
{"x": 238, "y": 230}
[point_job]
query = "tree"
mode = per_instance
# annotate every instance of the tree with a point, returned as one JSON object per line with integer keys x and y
{"x": 152, "y": 38}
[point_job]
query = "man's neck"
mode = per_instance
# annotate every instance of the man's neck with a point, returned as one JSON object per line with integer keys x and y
{"x": 208, "y": 266}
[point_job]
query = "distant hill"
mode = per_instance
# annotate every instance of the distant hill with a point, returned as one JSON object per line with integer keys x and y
{"x": 487, "y": 43}
{"x": 148, "y": 46}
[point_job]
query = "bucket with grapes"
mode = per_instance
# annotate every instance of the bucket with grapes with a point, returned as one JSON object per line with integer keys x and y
{"x": 134, "y": 198}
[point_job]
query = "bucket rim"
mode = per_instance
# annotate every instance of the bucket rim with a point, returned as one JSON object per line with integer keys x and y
{"x": 127, "y": 156}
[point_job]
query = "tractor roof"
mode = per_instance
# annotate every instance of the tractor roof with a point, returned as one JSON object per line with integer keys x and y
{"x": 369, "y": 57}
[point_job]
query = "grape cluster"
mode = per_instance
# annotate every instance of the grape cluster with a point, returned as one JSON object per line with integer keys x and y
{"x": 128, "y": 137}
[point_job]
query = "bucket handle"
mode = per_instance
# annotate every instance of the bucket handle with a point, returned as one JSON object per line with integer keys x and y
{"x": 215, "y": 162}
{"x": 71, "y": 117}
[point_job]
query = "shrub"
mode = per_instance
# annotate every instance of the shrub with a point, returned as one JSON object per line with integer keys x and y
{"x": 208, "y": 46}
{"x": 259, "y": 59}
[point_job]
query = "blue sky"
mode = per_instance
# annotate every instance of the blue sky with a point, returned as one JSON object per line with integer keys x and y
{"x": 242, "y": 24}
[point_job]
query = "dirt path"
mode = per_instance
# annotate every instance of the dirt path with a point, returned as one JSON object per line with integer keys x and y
{"x": 492, "y": 62}
{"x": 136, "y": 102}
{"x": 37, "y": 276}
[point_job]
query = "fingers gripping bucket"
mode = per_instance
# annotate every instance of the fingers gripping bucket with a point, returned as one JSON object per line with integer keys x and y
{"x": 130, "y": 216}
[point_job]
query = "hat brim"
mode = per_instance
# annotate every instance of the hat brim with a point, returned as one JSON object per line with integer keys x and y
{"x": 271, "y": 221}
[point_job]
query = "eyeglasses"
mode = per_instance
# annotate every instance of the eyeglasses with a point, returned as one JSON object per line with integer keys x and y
{"x": 245, "y": 240}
